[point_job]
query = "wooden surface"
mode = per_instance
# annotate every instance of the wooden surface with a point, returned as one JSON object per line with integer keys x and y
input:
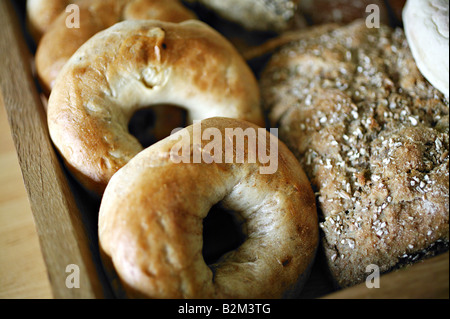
{"x": 42, "y": 229}
{"x": 425, "y": 280}
{"x": 62, "y": 235}
{"x": 22, "y": 269}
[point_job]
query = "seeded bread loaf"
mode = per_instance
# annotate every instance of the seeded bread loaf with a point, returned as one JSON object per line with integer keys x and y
{"x": 373, "y": 137}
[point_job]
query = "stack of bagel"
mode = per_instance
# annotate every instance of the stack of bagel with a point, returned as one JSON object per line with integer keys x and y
{"x": 362, "y": 151}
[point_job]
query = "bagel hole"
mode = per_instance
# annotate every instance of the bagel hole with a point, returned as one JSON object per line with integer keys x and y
{"x": 222, "y": 232}
{"x": 152, "y": 124}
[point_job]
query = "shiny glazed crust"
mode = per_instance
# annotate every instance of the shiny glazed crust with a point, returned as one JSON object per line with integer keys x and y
{"x": 59, "y": 42}
{"x": 133, "y": 65}
{"x": 150, "y": 223}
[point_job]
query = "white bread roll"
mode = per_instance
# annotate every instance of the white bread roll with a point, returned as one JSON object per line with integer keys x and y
{"x": 427, "y": 27}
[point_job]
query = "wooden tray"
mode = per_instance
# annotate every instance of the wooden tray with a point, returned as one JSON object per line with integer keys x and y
{"x": 66, "y": 216}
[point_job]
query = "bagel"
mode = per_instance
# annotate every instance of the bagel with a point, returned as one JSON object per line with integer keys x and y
{"x": 427, "y": 30}
{"x": 42, "y": 13}
{"x": 59, "y": 43}
{"x": 150, "y": 221}
{"x": 134, "y": 65}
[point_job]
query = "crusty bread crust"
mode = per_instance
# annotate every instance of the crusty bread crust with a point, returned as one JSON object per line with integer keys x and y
{"x": 373, "y": 137}
{"x": 133, "y": 65}
{"x": 150, "y": 222}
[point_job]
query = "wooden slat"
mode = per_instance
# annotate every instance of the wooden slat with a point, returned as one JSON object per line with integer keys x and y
{"x": 62, "y": 236}
{"x": 425, "y": 280}
{"x": 22, "y": 269}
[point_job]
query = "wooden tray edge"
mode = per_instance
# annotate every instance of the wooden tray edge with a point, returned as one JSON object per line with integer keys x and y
{"x": 62, "y": 236}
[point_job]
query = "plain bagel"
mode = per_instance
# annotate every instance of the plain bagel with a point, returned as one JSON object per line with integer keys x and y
{"x": 150, "y": 222}
{"x": 42, "y": 13}
{"x": 134, "y": 65}
{"x": 60, "y": 42}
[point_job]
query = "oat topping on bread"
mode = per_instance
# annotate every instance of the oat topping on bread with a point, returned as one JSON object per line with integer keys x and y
{"x": 372, "y": 135}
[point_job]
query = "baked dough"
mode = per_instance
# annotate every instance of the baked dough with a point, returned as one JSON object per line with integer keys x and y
{"x": 320, "y": 12}
{"x": 427, "y": 30}
{"x": 372, "y": 136}
{"x": 42, "y": 13}
{"x": 134, "y": 65}
{"x": 150, "y": 222}
{"x": 59, "y": 43}
{"x": 256, "y": 15}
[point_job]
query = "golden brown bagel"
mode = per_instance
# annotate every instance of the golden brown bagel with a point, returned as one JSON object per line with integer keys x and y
{"x": 134, "y": 65}
{"x": 60, "y": 42}
{"x": 150, "y": 221}
{"x": 42, "y": 13}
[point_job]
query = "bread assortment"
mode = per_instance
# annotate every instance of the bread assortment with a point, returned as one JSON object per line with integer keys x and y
{"x": 362, "y": 114}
